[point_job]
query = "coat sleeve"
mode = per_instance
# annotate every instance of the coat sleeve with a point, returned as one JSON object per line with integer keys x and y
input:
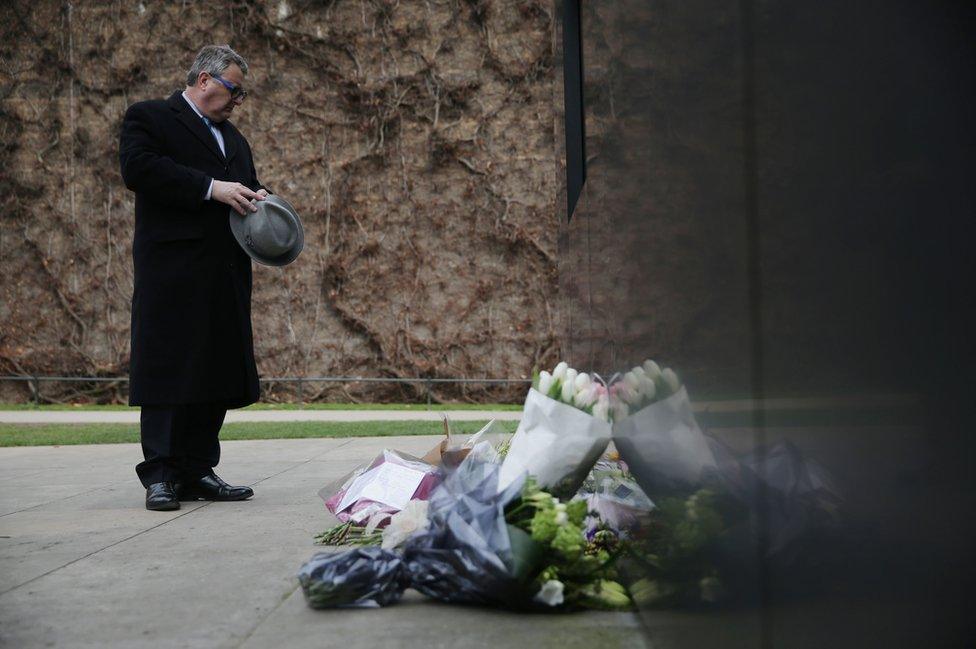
{"x": 147, "y": 170}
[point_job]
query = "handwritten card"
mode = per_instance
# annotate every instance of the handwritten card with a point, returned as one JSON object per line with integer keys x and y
{"x": 389, "y": 483}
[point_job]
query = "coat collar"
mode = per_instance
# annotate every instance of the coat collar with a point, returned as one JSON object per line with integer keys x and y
{"x": 192, "y": 121}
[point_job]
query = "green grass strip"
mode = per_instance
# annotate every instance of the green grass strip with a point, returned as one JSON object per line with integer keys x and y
{"x": 72, "y": 434}
{"x": 288, "y": 406}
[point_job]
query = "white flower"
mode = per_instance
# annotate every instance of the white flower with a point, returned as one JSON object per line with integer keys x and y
{"x": 620, "y": 410}
{"x": 601, "y": 409}
{"x": 628, "y": 394}
{"x": 545, "y": 382}
{"x": 551, "y": 593}
{"x": 671, "y": 380}
{"x": 582, "y": 382}
{"x": 652, "y": 369}
{"x": 569, "y": 386}
{"x": 405, "y": 523}
{"x": 562, "y": 518}
{"x": 647, "y": 387}
{"x": 632, "y": 382}
{"x": 586, "y": 397}
{"x": 560, "y": 372}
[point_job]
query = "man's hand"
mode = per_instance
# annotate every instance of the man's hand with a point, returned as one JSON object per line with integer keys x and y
{"x": 236, "y": 195}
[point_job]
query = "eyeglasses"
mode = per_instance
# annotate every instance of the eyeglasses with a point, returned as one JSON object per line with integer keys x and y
{"x": 236, "y": 92}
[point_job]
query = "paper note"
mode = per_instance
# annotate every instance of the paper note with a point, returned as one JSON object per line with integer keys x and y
{"x": 389, "y": 483}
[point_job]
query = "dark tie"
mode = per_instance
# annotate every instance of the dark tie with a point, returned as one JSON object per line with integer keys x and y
{"x": 210, "y": 126}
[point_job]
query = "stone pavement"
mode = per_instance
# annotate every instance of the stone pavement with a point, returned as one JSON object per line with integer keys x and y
{"x": 83, "y": 564}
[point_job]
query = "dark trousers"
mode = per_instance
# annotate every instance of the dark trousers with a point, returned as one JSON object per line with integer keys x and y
{"x": 179, "y": 442}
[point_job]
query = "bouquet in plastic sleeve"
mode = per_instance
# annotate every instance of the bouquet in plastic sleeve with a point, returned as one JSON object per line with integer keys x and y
{"x": 701, "y": 544}
{"x": 519, "y": 547}
{"x": 614, "y": 500}
{"x": 374, "y": 492}
{"x": 578, "y": 567}
{"x": 468, "y": 553}
{"x": 656, "y": 432}
{"x": 804, "y": 503}
{"x": 679, "y": 551}
{"x": 516, "y": 548}
{"x": 563, "y": 431}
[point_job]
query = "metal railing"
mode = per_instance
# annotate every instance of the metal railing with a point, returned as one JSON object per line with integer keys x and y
{"x": 34, "y": 382}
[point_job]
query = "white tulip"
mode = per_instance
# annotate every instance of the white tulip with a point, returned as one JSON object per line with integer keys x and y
{"x": 569, "y": 387}
{"x": 638, "y": 371}
{"x": 560, "y": 372}
{"x": 632, "y": 381}
{"x": 551, "y": 593}
{"x": 628, "y": 394}
{"x": 652, "y": 369}
{"x": 587, "y": 396}
{"x": 583, "y": 381}
{"x": 620, "y": 410}
{"x": 647, "y": 388}
{"x": 671, "y": 380}
{"x": 545, "y": 382}
{"x": 601, "y": 409}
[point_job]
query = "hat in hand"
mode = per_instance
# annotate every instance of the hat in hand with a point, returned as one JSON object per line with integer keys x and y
{"x": 273, "y": 235}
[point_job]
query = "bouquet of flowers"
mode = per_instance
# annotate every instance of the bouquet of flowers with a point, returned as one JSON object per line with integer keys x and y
{"x": 519, "y": 547}
{"x": 391, "y": 491}
{"x": 655, "y": 429}
{"x": 677, "y": 551}
{"x": 565, "y": 428}
{"x": 578, "y": 571}
{"x": 640, "y": 387}
{"x": 374, "y": 492}
{"x": 547, "y": 524}
{"x": 614, "y": 500}
{"x": 574, "y": 388}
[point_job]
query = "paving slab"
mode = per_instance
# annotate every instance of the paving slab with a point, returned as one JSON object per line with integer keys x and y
{"x": 83, "y": 564}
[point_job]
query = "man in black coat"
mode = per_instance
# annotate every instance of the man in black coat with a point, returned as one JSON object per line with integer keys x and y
{"x": 192, "y": 353}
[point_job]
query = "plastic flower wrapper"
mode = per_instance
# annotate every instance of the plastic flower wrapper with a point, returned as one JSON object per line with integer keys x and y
{"x": 371, "y": 494}
{"x": 360, "y": 578}
{"x": 410, "y": 520}
{"x": 450, "y": 453}
{"x": 614, "y": 501}
{"x": 469, "y": 554}
{"x": 663, "y": 445}
{"x": 556, "y": 443}
{"x": 803, "y": 503}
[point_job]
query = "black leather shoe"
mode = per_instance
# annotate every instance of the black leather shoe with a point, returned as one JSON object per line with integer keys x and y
{"x": 210, "y": 487}
{"x": 161, "y": 497}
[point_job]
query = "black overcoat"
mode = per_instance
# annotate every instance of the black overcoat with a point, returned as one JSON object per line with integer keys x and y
{"x": 191, "y": 300}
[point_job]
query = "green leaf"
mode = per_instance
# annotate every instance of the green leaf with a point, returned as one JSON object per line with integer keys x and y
{"x": 526, "y": 554}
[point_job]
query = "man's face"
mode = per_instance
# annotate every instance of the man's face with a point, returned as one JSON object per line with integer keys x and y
{"x": 217, "y": 102}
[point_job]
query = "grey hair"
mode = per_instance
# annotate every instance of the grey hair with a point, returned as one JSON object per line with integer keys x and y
{"x": 214, "y": 59}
